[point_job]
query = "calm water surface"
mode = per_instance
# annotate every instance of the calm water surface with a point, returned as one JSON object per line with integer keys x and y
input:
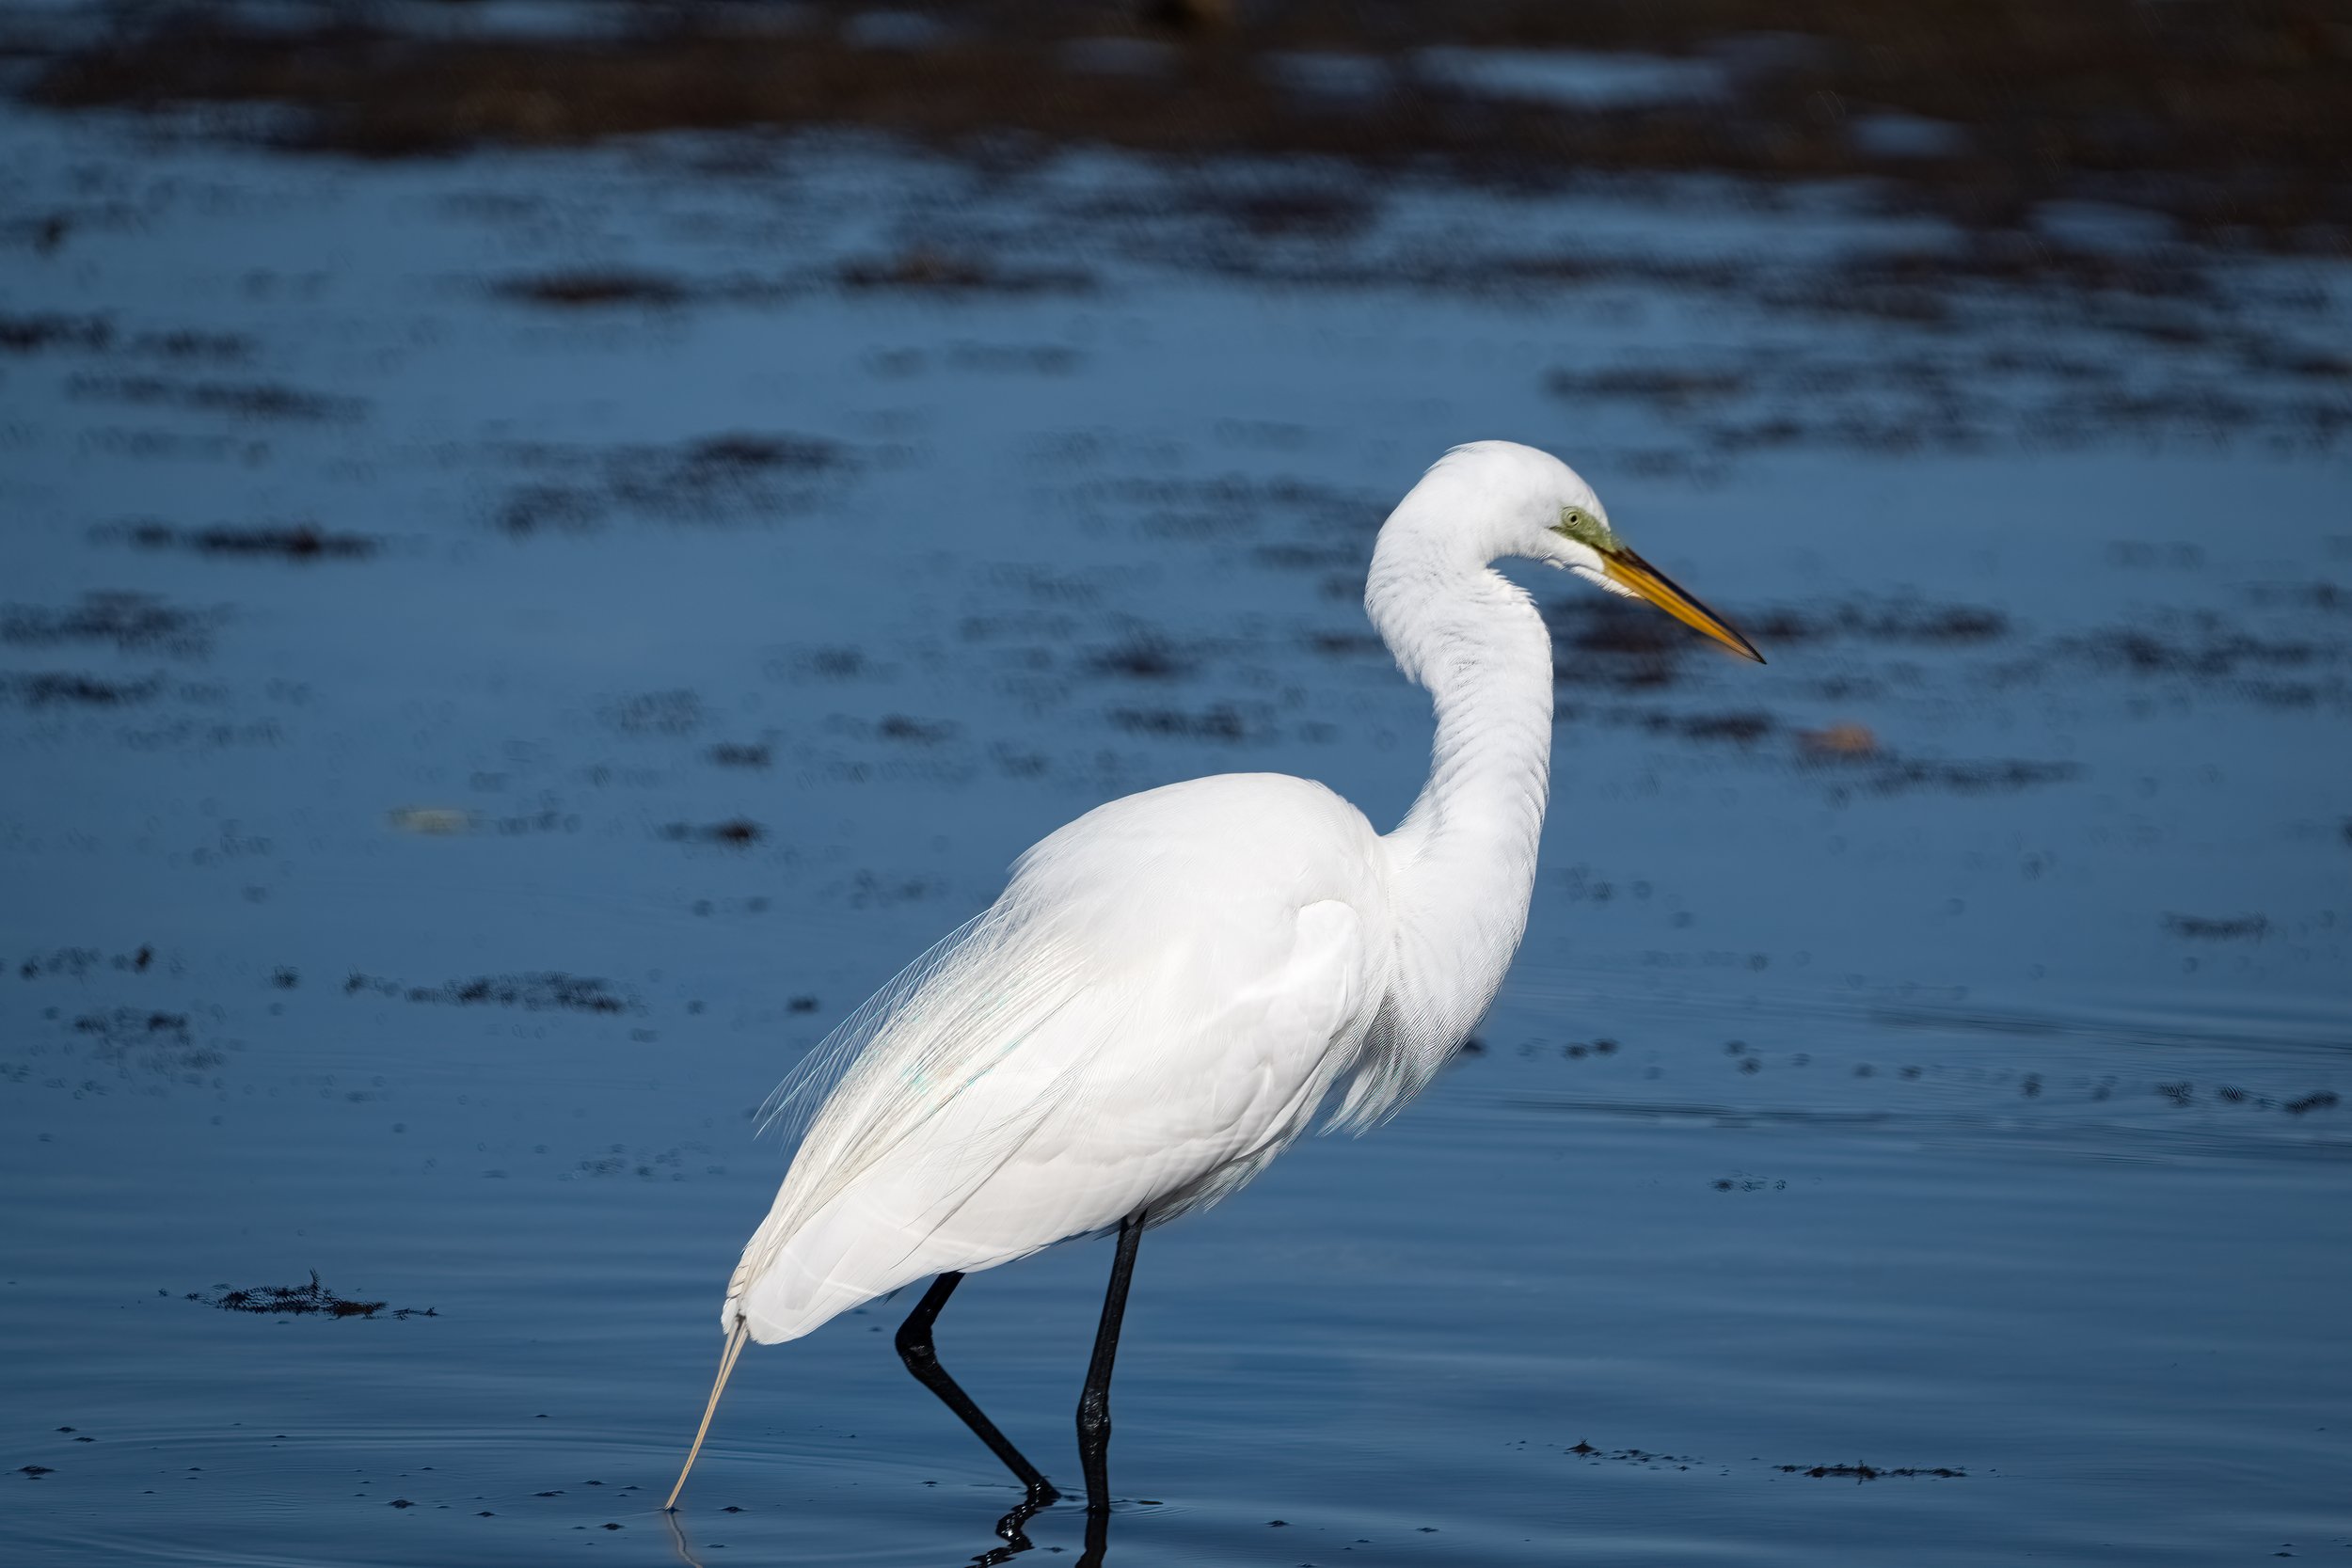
{"x": 1955, "y": 1097}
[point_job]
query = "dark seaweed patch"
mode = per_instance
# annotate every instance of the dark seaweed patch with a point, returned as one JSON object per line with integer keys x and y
{"x": 720, "y": 478}
{"x": 311, "y": 1300}
{"x": 825, "y": 664}
{"x": 185, "y": 343}
{"x": 2199, "y": 644}
{"x": 133, "y": 623}
{"x": 146, "y": 1041}
{"x": 1585, "y": 1450}
{"x": 595, "y": 289}
{"x": 1221, "y": 723}
{"x": 2204, "y": 929}
{"x": 1151, "y": 658}
{"x": 94, "y": 334}
{"x": 1667, "y": 390}
{"x": 1870, "y": 1472}
{"x": 55, "y": 688}
{"x": 546, "y": 990}
{"x": 549, "y": 508}
{"x": 749, "y": 450}
{"x": 1743, "y": 729}
{"x": 77, "y": 963}
{"x": 899, "y": 726}
{"x": 1347, "y": 644}
{"x": 30, "y": 333}
{"x": 719, "y": 475}
{"x": 738, "y": 833}
{"x": 296, "y": 541}
{"x": 249, "y": 400}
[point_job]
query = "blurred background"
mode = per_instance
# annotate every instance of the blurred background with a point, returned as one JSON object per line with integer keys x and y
{"x": 547, "y": 547}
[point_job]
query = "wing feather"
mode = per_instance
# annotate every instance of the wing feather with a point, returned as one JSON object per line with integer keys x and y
{"x": 895, "y": 1066}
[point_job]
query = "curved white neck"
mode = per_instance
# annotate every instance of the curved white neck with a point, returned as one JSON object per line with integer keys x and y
{"x": 1464, "y": 857}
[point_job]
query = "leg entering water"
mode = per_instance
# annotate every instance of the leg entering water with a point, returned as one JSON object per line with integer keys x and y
{"x": 1094, "y": 1400}
{"x": 914, "y": 1349}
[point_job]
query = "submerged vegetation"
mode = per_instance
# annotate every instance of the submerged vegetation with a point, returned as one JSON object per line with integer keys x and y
{"x": 295, "y": 1300}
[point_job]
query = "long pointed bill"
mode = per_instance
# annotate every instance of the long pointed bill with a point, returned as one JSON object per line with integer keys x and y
{"x": 718, "y": 1387}
{"x": 1631, "y": 571}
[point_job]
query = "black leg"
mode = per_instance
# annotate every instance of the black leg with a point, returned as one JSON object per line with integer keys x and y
{"x": 914, "y": 1349}
{"x": 1094, "y": 1400}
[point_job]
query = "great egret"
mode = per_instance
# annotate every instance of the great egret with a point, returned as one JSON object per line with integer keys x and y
{"x": 1170, "y": 986}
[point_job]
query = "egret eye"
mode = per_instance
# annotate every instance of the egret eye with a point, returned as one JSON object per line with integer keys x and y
{"x": 1586, "y": 530}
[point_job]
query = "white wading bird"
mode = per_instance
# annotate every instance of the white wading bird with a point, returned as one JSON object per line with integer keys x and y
{"x": 1172, "y": 984}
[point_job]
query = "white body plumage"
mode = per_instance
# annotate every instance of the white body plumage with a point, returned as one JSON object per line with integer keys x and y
{"x": 1154, "y": 1008}
{"x": 1171, "y": 985}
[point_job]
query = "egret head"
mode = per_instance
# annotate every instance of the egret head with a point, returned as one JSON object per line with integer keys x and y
{"x": 1544, "y": 511}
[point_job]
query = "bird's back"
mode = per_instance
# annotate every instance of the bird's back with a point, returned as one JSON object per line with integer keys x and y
{"x": 1155, "y": 1007}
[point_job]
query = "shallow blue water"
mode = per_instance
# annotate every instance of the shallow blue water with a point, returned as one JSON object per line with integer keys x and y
{"x": 1946, "y": 1120}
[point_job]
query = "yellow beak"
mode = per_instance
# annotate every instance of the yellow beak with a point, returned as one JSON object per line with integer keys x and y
{"x": 1631, "y": 571}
